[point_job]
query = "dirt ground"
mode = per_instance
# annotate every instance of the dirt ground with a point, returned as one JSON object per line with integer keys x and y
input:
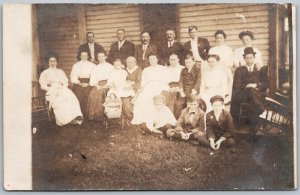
{"x": 90, "y": 157}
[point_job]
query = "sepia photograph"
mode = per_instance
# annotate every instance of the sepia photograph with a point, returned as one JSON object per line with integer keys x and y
{"x": 149, "y": 96}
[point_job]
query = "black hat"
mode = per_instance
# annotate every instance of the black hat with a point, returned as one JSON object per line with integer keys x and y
{"x": 246, "y": 33}
{"x": 216, "y": 98}
{"x": 249, "y": 50}
{"x": 191, "y": 28}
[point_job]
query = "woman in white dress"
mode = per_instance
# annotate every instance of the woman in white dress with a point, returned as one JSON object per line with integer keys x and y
{"x": 214, "y": 81}
{"x": 173, "y": 72}
{"x": 98, "y": 80}
{"x": 153, "y": 83}
{"x": 226, "y": 59}
{"x": 80, "y": 77}
{"x": 63, "y": 101}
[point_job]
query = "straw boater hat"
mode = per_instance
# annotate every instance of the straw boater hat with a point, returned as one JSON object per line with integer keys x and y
{"x": 216, "y": 98}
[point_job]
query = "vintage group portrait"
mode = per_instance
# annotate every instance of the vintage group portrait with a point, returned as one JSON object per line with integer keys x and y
{"x": 150, "y": 96}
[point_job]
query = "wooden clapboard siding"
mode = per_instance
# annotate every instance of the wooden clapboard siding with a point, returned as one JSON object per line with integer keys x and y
{"x": 104, "y": 20}
{"x": 58, "y": 32}
{"x": 211, "y": 17}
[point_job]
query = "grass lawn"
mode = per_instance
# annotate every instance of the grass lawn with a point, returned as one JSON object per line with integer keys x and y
{"x": 90, "y": 157}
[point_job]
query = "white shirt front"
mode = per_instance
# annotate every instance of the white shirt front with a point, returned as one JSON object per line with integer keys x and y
{"x": 82, "y": 69}
{"x": 194, "y": 47}
{"x": 144, "y": 48}
{"x": 120, "y": 44}
{"x": 159, "y": 118}
{"x": 53, "y": 76}
{"x": 92, "y": 50}
{"x": 250, "y": 68}
{"x": 101, "y": 72}
{"x": 173, "y": 73}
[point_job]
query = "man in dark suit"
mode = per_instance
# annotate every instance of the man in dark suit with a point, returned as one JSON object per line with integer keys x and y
{"x": 169, "y": 47}
{"x": 249, "y": 85}
{"x": 197, "y": 45}
{"x": 142, "y": 51}
{"x": 91, "y": 48}
{"x": 120, "y": 49}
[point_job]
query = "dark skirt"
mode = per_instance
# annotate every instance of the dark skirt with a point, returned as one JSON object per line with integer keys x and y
{"x": 127, "y": 107}
{"x": 82, "y": 94}
{"x": 95, "y": 108}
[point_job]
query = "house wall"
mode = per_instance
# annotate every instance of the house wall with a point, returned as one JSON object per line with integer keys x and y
{"x": 228, "y": 17}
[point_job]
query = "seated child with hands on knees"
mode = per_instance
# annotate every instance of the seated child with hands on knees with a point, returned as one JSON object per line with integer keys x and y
{"x": 219, "y": 125}
{"x": 190, "y": 124}
{"x": 160, "y": 118}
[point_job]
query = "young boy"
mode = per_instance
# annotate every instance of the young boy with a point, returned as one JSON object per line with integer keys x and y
{"x": 160, "y": 118}
{"x": 190, "y": 124}
{"x": 219, "y": 125}
{"x": 189, "y": 82}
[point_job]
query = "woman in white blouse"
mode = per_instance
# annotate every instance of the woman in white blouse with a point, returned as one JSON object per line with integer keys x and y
{"x": 63, "y": 101}
{"x": 98, "y": 81}
{"x": 80, "y": 77}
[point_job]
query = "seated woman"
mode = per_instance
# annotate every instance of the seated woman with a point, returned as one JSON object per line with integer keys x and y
{"x": 80, "y": 77}
{"x": 133, "y": 83}
{"x": 63, "y": 101}
{"x": 98, "y": 80}
{"x": 173, "y": 72}
{"x": 153, "y": 83}
{"x": 117, "y": 80}
{"x": 214, "y": 81}
{"x": 159, "y": 117}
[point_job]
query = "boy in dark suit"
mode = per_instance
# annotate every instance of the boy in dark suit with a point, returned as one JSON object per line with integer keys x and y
{"x": 190, "y": 124}
{"x": 219, "y": 125}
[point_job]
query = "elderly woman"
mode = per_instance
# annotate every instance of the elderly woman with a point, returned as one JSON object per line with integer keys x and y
{"x": 153, "y": 83}
{"x": 214, "y": 81}
{"x": 173, "y": 72}
{"x": 97, "y": 95}
{"x": 80, "y": 77}
{"x": 63, "y": 101}
{"x": 133, "y": 83}
{"x": 246, "y": 37}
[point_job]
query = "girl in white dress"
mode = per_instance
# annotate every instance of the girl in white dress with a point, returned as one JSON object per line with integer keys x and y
{"x": 63, "y": 101}
{"x": 214, "y": 81}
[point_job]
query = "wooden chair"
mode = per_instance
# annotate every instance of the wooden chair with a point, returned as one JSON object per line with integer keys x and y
{"x": 276, "y": 115}
{"x": 40, "y": 111}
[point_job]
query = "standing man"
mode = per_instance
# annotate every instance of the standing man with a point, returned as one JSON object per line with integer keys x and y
{"x": 120, "y": 49}
{"x": 169, "y": 47}
{"x": 91, "y": 48}
{"x": 198, "y": 46}
{"x": 143, "y": 50}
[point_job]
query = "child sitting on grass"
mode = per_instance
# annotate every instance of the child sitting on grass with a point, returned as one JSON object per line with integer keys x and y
{"x": 160, "y": 118}
{"x": 190, "y": 124}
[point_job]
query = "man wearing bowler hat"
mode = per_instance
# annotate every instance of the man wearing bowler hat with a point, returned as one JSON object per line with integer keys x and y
{"x": 249, "y": 86}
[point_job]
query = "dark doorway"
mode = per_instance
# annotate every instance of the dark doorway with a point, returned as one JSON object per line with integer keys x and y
{"x": 157, "y": 18}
